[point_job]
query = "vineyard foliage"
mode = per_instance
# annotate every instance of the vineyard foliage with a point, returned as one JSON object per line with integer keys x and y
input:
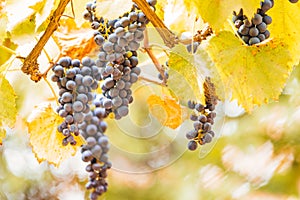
{"x": 252, "y": 75}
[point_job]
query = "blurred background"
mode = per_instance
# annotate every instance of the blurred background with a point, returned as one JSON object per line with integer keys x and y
{"x": 254, "y": 156}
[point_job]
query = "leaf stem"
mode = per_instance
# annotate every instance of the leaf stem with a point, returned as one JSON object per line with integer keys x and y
{"x": 153, "y": 58}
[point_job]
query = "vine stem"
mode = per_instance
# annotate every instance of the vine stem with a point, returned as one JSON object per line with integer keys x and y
{"x": 156, "y": 63}
{"x": 8, "y": 50}
{"x": 30, "y": 65}
{"x": 169, "y": 38}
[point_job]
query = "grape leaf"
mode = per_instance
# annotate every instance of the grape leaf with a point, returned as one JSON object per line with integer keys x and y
{"x": 8, "y": 103}
{"x": 75, "y": 44}
{"x": 112, "y": 9}
{"x": 184, "y": 80}
{"x": 250, "y": 74}
{"x": 45, "y": 140}
{"x": 217, "y": 12}
{"x": 286, "y": 26}
{"x": 2, "y": 133}
{"x": 167, "y": 110}
{"x": 77, "y": 11}
{"x": 3, "y": 22}
{"x": 7, "y": 42}
{"x": 24, "y": 29}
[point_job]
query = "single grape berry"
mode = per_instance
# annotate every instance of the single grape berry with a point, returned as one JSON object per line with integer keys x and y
{"x": 192, "y": 145}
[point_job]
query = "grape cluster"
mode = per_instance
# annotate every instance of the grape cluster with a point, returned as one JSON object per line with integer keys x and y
{"x": 96, "y": 148}
{"x": 255, "y": 30}
{"x": 203, "y": 117}
{"x": 118, "y": 41}
{"x": 84, "y": 115}
{"x": 75, "y": 81}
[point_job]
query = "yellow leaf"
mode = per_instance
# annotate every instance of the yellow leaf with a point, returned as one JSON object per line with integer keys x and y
{"x": 216, "y": 12}
{"x": 112, "y": 9}
{"x": 184, "y": 80}
{"x": 250, "y": 74}
{"x": 2, "y": 134}
{"x": 286, "y": 26}
{"x": 7, "y": 103}
{"x": 45, "y": 140}
{"x": 167, "y": 110}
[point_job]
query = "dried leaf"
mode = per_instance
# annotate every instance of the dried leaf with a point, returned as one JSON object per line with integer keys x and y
{"x": 76, "y": 44}
{"x": 167, "y": 110}
{"x": 112, "y": 9}
{"x": 45, "y": 140}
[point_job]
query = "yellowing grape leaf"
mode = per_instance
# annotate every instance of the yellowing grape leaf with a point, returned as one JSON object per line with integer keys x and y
{"x": 112, "y": 9}
{"x": 5, "y": 55}
{"x": 184, "y": 80}
{"x": 2, "y": 133}
{"x": 216, "y": 12}
{"x": 45, "y": 140}
{"x": 286, "y": 26}
{"x": 167, "y": 110}
{"x": 250, "y": 74}
{"x": 8, "y": 110}
{"x": 25, "y": 28}
{"x": 76, "y": 44}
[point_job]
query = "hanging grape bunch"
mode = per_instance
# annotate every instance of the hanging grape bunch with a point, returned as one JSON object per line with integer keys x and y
{"x": 75, "y": 81}
{"x": 118, "y": 40}
{"x": 255, "y": 30}
{"x": 203, "y": 117}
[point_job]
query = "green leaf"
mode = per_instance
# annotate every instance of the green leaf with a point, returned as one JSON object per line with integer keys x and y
{"x": 251, "y": 74}
{"x": 5, "y": 55}
{"x": 42, "y": 9}
{"x": 7, "y": 103}
{"x": 25, "y": 28}
{"x": 216, "y": 13}
{"x": 185, "y": 80}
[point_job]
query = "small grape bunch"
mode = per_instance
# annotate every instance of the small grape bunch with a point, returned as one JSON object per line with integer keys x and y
{"x": 203, "y": 117}
{"x": 255, "y": 30}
